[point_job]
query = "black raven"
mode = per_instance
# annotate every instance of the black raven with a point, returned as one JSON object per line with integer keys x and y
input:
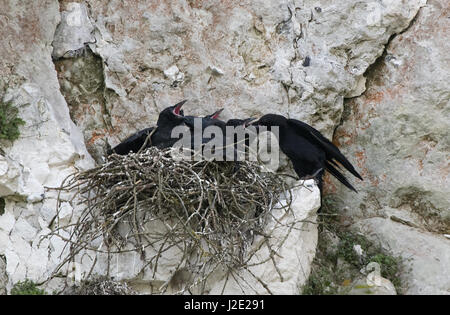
{"x": 238, "y": 122}
{"x": 168, "y": 119}
{"x": 208, "y": 120}
{"x": 198, "y": 130}
{"x": 133, "y": 143}
{"x": 310, "y": 152}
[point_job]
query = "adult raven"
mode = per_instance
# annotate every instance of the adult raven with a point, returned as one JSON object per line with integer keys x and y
{"x": 168, "y": 119}
{"x": 310, "y": 152}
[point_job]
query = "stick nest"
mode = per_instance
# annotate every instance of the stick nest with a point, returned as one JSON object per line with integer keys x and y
{"x": 209, "y": 210}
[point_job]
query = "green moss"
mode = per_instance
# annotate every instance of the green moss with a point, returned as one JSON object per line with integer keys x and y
{"x": 391, "y": 268}
{"x": 323, "y": 280}
{"x": 337, "y": 264}
{"x": 26, "y": 287}
{"x": 9, "y": 121}
{"x": 318, "y": 283}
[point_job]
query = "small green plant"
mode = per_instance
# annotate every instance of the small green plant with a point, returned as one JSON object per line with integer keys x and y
{"x": 337, "y": 263}
{"x": 322, "y": 281}
{"x": 9, "y": 121}
{"x": 345, "y": 248}
{"x": 26, "y": 287}
{"x": 333, "y": 271}
{"x": 391, "y": 268}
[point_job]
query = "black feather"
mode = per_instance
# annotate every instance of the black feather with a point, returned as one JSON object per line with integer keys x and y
{"x": 331, "y": 151}
{"x": 339, "y": 176}
{"x": 133, "y": 143}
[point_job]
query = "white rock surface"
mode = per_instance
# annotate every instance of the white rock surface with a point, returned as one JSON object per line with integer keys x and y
{"x": 373, "y": 283}
{"x": 293, "y": 235}
{"x": 50, "y": 146}
{"x": 3, "y": 276}
{"x": 169, "y": 51}
{"x": 291, "y": 265}
{"x": 300, "y": 58}
{"x": 426, "y": 254}
{"x": 398, "y": 129}
{"x": 174, "y": 74}
{"x": 74, "y": 32}
{"x": 40, "y": 159}
{"x": 398, "y": 132}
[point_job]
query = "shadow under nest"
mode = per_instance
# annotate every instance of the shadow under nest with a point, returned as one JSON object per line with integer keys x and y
{"x": 150, "y": 203}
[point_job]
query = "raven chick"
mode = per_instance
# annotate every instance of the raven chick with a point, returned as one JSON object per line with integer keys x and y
{"x": 168, "y": 119}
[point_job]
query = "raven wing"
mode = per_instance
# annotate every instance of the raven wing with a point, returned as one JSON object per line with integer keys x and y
{"x": 132, "y": 143}
{"x": 331, "y": 151}
{"x": 339, "y": 176}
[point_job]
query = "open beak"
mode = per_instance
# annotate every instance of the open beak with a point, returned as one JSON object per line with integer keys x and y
{"x": 177, "y": 108}
{"x": 251, "y": 121}
{"x": 216, "y": 114}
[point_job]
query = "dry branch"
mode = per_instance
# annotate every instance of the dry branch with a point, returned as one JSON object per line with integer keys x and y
{"x": 208, "y": 210}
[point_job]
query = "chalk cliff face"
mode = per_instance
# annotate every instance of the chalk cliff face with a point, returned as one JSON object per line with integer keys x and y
{"x": 87, "y": 73}
{"x": 397, "y": 132}
{"x": 50, "y": 146}
{"x": 299, "y": 58}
